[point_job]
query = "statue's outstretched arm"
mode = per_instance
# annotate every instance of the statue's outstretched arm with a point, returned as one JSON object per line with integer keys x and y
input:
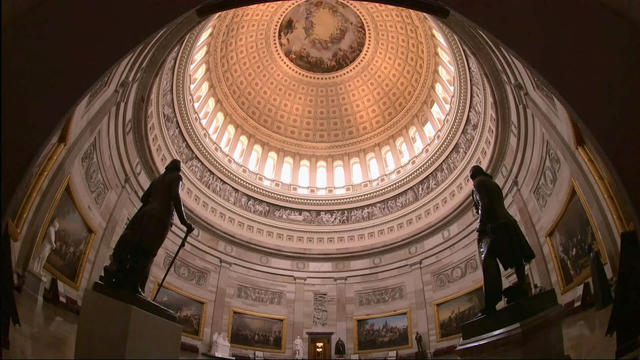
{"x": 177, "y": 202}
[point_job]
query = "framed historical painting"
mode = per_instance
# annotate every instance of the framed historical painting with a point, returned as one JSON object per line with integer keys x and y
{"x": 190, "y": 310}
{"x": 453, "y": 311}
{"x": 73, "y": 238}
{"x": 256, "y": 331}
{"x": 569, "y": 238}
{"x": 383, "y": 332}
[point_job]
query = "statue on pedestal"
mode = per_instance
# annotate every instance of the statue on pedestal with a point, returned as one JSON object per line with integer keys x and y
{"x": 142, "y": 238}
{"x": 340, "y": 348}
{"x": 214, "y": 342}
{"x": 48, "y": 244}
{"x": 222, "y": 346}
{"x": 297, "y": 346}
{"x": 499, "y": 238}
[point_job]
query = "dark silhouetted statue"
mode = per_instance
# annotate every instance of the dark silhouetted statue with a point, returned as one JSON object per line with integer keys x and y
{"x": 419, "y": 343}
{"x": 144, "y": 234}
{"x": 499, "y": 239}
{"x": 340, "y": 348}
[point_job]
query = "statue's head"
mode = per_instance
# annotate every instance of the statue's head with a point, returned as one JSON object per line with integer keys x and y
{"x": 55, "y": 224}
{"x": 477, "y": 171}
{"x": 173, "y": 165}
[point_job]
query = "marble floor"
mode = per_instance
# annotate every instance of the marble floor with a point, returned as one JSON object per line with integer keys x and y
{"x": 49, "y": 332}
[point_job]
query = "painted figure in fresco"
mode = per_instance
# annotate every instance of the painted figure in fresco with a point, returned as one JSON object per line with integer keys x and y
{"x": 499, "y": 238}
{"x": 48, "y": 245}
{"x": 142, "y": 238}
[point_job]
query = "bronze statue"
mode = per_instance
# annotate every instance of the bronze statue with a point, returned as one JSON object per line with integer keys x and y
{"x": 499, "y": 238}
{"x": 419, "y": 342}
{"x": 340, "y": 348}
{"x": 142, "y": 238}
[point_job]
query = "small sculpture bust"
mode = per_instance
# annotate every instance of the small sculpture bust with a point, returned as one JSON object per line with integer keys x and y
{"x": 340, "y": 348}
{"x": 48, "y": 245}
{"x": 297, "y": 345}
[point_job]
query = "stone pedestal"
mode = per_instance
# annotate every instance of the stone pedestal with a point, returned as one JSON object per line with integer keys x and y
{"x": 110, "y": 328}
{"x": 34, "y": 284}
{"x": 530, "y": 329}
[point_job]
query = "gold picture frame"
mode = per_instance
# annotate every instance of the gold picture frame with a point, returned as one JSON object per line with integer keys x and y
{"x": 473, "y": 296}
{"x": 74, "y": 238}
{"x": 400, "y": 317}
{"x": 242, "y": 323}
{"x": 567, "y": 239}
{"x": 178, "y": 305}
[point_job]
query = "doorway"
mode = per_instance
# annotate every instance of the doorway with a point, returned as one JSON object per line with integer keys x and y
{"x": 319, "y": 345}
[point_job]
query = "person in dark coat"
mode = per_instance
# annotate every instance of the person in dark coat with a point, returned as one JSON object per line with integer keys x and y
{"x": 144, "y": 234}
{"x": 499, "y": 238}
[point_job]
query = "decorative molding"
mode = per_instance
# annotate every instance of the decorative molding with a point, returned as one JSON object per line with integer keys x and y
{"x": 92, "y": 173}
{"x": 97, "y": 88}
{"x": 450, "y": 275}
{"x": 257, "y": 295}
{"x": 187, "y": 271}
{"x": 381, "y": 296}
{"x": 548, "y": 178}
{"x": 320, "y": 313}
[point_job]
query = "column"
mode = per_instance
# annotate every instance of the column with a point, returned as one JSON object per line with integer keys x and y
{"x": 248, "y": 151}
{"x": 341, "y": 309}
{"x": 219, "y": 309}
{"x": 298, "y": 311}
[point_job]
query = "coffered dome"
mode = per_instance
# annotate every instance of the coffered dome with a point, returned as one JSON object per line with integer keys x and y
{"x": 320, "y": 98}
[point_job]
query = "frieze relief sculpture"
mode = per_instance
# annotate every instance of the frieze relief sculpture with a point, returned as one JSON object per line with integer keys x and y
{"x": 381, "y": 296}
{"x": 92, "y": 174}
{"x": 186, "y": 271}
{"x": 320, "y": 313}
{"x": 259, "y": 295}
{"x": 455, "y": 273}
{"x": 547, "y": 182}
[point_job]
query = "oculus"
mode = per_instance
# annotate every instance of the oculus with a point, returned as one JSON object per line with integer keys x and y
{"x": 322, "y": 36}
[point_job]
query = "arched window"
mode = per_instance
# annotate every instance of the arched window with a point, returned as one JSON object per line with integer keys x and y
{"x": 204, "y": 36}
{"x": 270, "y": 165}
{"x": 206, "y": 111}
{"x": 446, "y": 100}
{"x": 387, "y": 159}
{"x": 254, "y": 160}
{"x": 240, "y": 148}
{"x": 415, "y": 139}
{"x": 372, "y": 163}
{"x": 445, "y": 58}
{"x": 287, "y": 170}
{"x": 356, "y": 171}
{"x": 303, "y": 173}
{"x": 199, "y": 96}
{"x": 198, "y": 57}
{"x": 437, "y": 114}
{"x": 445, "y": 76}
{"x": 338, "y": 174}
{"x": 439, "y": 37}
{"x": 226, "y": 139}
{"x": 217, "y": 124}
{"x": 321, "y": 174}
{"x": 428, "y": 130}
{"x": 198, "y": 75}
{"x": 402, "y": 150}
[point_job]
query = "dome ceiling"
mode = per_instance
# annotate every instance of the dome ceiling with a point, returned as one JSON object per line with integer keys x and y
{"x": 359, "y": 74}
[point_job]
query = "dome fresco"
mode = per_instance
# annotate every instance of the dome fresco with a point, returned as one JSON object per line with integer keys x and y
{"x": 322, "y": 36}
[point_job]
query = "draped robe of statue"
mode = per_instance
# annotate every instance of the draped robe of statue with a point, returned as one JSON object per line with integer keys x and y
{"x": 146, "y": 231}
{"x": 499, "y": 238}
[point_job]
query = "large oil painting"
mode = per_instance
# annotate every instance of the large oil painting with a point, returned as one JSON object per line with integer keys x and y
{"x": 389, "y": 331}
{"x": 189, "y": 309}
{"x": 73, "y": 238}
{"x": 569, "y": 239}
{"x": 255, "y": 331}
{"x": 322, "y": 36}
{"x": 455, "y": 310}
